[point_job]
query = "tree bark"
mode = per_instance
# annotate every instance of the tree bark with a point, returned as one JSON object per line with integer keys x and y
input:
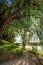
{"x": 12, "y": 17}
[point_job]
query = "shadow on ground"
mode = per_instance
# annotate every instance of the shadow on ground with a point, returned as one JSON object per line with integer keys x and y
{"x": 27, "y": 59}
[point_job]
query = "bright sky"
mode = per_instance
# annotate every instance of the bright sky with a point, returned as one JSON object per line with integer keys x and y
{"x": 34, "y": 38}
{"x": 9, "y": 2}
{"x": 18, "y": 39}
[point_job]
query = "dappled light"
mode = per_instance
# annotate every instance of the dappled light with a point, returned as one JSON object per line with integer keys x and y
{"x": 21, "y": 32}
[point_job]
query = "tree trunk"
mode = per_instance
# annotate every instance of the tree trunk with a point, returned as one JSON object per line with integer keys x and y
{"x": 24, "y": 42}
{"x": 9, "y": 19}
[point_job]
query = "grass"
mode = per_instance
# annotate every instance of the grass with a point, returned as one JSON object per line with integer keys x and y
{"x": 40, "y": 53}
{"x": 28, "y": 49}
{"x": 9, "y": 51}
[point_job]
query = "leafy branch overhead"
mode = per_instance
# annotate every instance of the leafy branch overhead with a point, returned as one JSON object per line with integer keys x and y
{"x": 28, "y": 15}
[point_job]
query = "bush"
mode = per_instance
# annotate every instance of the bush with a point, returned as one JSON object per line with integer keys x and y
{"x": 2, "y": 42}
{"x": 19, "y": 51}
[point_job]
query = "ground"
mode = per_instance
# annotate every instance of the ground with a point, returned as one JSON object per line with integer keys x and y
{"x": 27, "y": 59}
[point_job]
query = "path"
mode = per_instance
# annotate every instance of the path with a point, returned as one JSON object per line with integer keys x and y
{"x": 26, "y": 59}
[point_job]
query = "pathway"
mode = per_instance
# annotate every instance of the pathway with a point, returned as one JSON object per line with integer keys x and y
{"x": 26, "y": 59}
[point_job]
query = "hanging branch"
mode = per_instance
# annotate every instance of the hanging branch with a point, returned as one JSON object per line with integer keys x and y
{"x": 9, "y": 19}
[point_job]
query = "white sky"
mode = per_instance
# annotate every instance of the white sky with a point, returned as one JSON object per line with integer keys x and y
{"x": 18, "y": 39}
{"x": 34, "y": 38}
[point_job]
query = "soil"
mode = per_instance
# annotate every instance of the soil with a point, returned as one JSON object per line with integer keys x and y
{"x": 28, "y": 58}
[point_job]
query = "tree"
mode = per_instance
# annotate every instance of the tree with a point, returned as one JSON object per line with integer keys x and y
{"x": 24, "y": 10}
{"x": 8, "y": 33}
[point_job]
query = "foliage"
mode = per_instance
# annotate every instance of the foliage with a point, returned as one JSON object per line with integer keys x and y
{"x": 8, "y": 34}
{"x": 2, "y": 42}
{"x": 9, "y": 51}
{"x": 29, "y": 10}
{"x": 40, "y": 53}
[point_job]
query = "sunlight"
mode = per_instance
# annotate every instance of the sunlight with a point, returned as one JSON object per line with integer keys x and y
{"x": 27, "y": 33}
{"x": 21, "y": 32}
{"x": 34, "y": 38}
{"x": 18, "y": 39}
